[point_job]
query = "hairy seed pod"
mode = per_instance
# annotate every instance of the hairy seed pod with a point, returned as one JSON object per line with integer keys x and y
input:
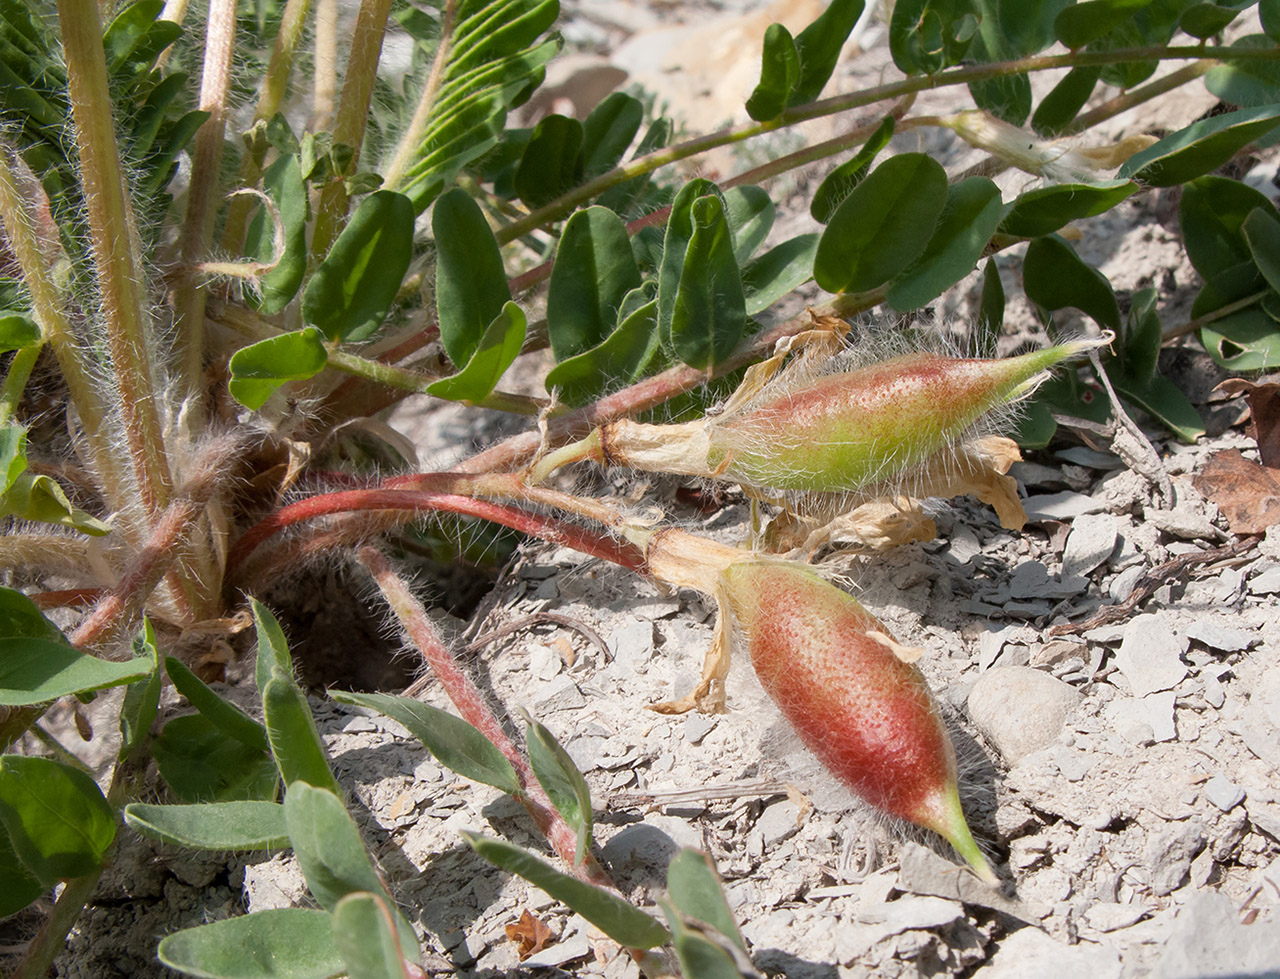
{"x": 837, "y": 432}
{"x": 855, "y": 702}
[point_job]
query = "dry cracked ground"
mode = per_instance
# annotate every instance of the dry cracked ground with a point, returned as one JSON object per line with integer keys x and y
{"x": 1125, "y": 773}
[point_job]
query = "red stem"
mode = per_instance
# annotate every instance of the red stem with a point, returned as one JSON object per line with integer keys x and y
{"x": 352, "y": 501}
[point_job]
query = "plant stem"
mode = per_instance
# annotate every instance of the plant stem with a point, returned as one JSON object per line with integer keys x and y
{"x": 49, "y": 941}
{"x": 1137, "y": 96}
{"x": 197, "y": 230}
{"x": 853, "y": 100}
{"x": 407, "y": 148}
{"x": 275, "y": 84}
{"x": 325, "y": 84}
{"x": 116, "y": 251}
{"x": 1190, "y": 326}
{"x": 353, "y": 112}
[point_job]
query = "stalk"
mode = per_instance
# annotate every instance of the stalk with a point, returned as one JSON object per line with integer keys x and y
{"x": 116, "y": 252}
{"x": 275, "y": 84}
{"x": 408, "y": 146}
{"x": 325, "y": 85}
{"x": 197, "y": 230}
{"x": 353, "y": 111}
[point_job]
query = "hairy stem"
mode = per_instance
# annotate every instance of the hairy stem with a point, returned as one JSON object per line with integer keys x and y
{"x": 275, "y": 84}
{"x": 197, "y": 229}
{"x": 842, "y": 103}
{"x": 1190, "y": 326}
{"x": 116, "y": 252}
{"x": 407, "y": 148}
{"x": 325, "y": 86}
{"x": 353, "y": 113}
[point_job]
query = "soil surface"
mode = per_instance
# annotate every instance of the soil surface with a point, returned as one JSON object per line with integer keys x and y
{"x": 1124, "y": 776}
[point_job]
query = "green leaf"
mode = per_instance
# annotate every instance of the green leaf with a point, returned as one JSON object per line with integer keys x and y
{"x": 750, "y": 212}
{"x": 59, "y": 823}
{"x": 1208, "y": 20}
{"x": 778, "y": 272}
{"x": 21, "y": 618}
{"x": 1055, "y": 276}
{"x": 779, "y": 72}
{"x": 471, "y": 284}
{"x": 351, "y": 292}
{"x": 1020, "y": 28}
{"x": 17, "y": 887}
{"x": 552, "y": 163}
{"x": 498, "y": 349}
{"x": 623, "y": 922}
{"x": 990, "y": 321}
{"x": 1262, "y": 233}
{"x": 364, "y": 929}
{"x": 1141, "y": 338}
{"x": 40, "y": 498}
{"x": 17, "y": 330}
{"x": 141, "y": 699}
{"x": 283, "y": 183}
{"x": 819, "y": 46}
{"x": 200, "y": 763}
{"x": 1046, "y": 209}
{"x": 694, "y": 888}
{"x": 1057, "y": 109}
{"x": 35, "y": 671}
{"x": 295, "y": 742}
{"x": 282, "y": 943}
{"x": 1161, "y": 399}
{"x": 260, "y": 368}
{"x": 968, "y": 221}
{"x": 1212, "y": 214}
{"x": 840, "y": 182}
{"x": 608, "y": 131}
{"x": 245, "y": 825}
{"x": 926, "y": 36}
{"x": 1269, "y": 14}
{"x": 709, "y": 313}
{"x": 223, "y": 715}
{"x": 698, "y": 953}
{"x": 327, "y": 844}
{"x": 1081, "y": 23}
{"x": 675, "y": 246}
{"x": 563, "y": 783}
{"x": 883, "y": 225}
{"x": 594, "y": 269}
{"x": 621, "y": 359}
{"x": 1247, "y": 83}
{"x": 452, "y": 741}
{"x": 273, "y": 648}
{"x": 1200, "y": 147}
{"x": 1244, "y": 341}
{"x": 13, "y": 455}
{"x": 126, "y": 31}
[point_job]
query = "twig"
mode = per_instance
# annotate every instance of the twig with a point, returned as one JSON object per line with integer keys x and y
{"x": 536, "y": 619}
{"x": 1137, "y": 451}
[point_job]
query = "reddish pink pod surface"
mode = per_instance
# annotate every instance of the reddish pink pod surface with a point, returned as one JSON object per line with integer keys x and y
{"x": 866, "y": 714}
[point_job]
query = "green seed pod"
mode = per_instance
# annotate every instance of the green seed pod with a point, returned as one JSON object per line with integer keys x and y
{"x": 856, "y": 703}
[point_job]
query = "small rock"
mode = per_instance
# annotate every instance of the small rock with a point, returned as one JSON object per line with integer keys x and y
{"x": 1058, "y": 651}
{"x": 1150, "y": 657}
{"x": 1267, "y": 583}
{"x": 1223, "y": 793}
{"x": 560, "y": 694}
{"x": 1030, "y": 952}
{"x": 1031, "y": 580}
{"x": 1091, "y": 541}
{"x": 697, "y": 726}
{"x": 778, "y": 823}
{"x": 1062, "y": 506}
{"x": 652, "y": 843}
{"x": 1112, "y": 917}
{"x": 632, "y": 645}
{"x": 1220, "y": 637}
{"x": 1208, "y": 939}
{"x": 1228, "y": 586}
{"x": 1123, "y": 584}
{"x": 1144, "y": 720}
{"x": 1168, "y": 855}
{"x": 359, "y": 725}
{"x": 1020, "y": 709}
{"x": 577, "y": 947}
{"x": 963, "y": 545}
{"x": 1082, "y": 455}
{"x": 1185, "y": 523}
{"x": 1028, "y": 609}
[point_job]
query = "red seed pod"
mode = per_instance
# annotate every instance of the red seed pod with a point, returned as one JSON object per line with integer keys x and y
{"x": 862, "y": 709}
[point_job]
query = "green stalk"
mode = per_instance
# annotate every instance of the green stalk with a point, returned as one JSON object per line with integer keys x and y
{"x": 325, "y": 85}
{"x": 116, "y": 252}
{"x": 15, "y": 381}
{"x": 408, "y": 146}
{"x": 197, "y": 231}
{"x": 353, "y": 112}
{"x": 275, "y": 83}
{"x": 855, "y": 100}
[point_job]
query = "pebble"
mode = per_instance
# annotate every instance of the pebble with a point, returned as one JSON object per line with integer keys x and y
{"x": 1030, "y": 952}
{"x": 1020, "y": 709}
{"x": 651, "y": 844}
{"x": 1168, "y": 855}
{"x": 698, "y": 726}
{"x": 1208, "y": 939}
{"x": 1123, "y": 584}
{"x": 1144, "y": 720}
{"x": 1061, "y": 506}
{"x": 559, "y": 694}
{"x": 778, "y": 823}
{"x": 1150, "y": 657}
{"x": 1267, "y": 583}
{"x": 1082, "y": 455}
{"x": 1091, "y": 541}
{"x": 1182, "y": 522}
{"x": 632, "y": 645}
{"x": 1031, "y": 579}
{"x": 1223, "y": 793}
{"x": 1108, "y": 916}
{"x": 1220, "y": 637}
{"x": 1058, "y": 651}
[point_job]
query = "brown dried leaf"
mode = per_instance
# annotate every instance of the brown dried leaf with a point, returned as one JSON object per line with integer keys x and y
{"x": 1264, "y": 403}
{"x": 1247, "y": 494}
{"x": 979, "y": 467}
{"x": 531, "y": 935}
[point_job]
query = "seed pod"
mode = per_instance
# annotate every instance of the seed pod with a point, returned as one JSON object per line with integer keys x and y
{"x": 837, "y": 432}
{"x": 855, "y": 702}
